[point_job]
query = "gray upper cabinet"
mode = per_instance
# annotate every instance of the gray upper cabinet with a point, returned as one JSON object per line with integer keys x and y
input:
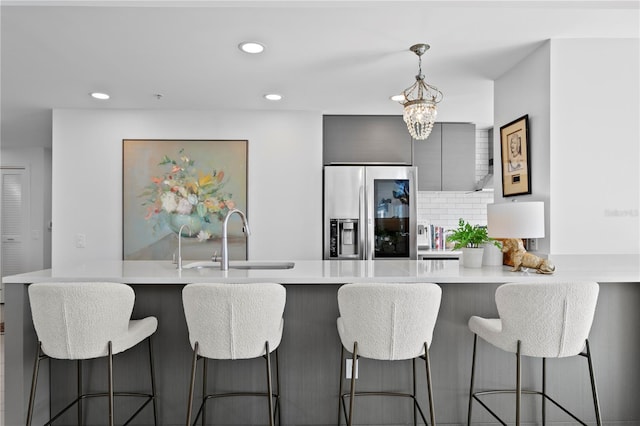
{"x": 366, "y": 139}
{"x": 446, "y": 160}
{"x": 427, "y": 155}
{"x": 458, "y": 157}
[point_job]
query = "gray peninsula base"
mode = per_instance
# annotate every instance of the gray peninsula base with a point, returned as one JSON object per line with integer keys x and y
{"x": 309, "y": 360}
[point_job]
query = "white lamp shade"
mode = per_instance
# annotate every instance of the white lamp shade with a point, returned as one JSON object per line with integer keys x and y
{"x": 516, "y": 220}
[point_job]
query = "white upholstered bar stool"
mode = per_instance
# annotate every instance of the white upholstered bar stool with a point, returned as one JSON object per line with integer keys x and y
{"x": 541, "y": 320}
{"x": 232, "y": 322}
{"x": 85, "y": 320}
{"x": 389, "y": 322}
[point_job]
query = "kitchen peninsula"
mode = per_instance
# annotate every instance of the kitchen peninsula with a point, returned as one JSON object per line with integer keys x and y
{"x": 310, "y": 349}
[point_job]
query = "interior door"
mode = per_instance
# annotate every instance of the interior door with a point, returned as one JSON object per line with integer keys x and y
{"x": 13, "y": 223}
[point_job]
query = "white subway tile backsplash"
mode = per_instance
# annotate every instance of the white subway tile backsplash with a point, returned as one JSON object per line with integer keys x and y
{"x": 445, "y": 208}
{"x": 482, "y": 153}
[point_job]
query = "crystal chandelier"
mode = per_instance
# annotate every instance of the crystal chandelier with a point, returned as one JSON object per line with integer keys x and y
{"x": 420, "y": 101}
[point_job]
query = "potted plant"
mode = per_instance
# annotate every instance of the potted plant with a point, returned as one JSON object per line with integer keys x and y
{"x": 469, "y": 240}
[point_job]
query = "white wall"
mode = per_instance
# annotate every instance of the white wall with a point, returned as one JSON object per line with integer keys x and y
{"x": 525, "y": 90}
{"x": 595, "y": 146}
{"x": 582, "y": 97}
{"x": 284, "y": 183}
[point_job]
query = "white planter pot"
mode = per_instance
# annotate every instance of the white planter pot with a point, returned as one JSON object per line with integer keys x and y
{"x": 492, "y": 255}
{"x": 472, "y": 257}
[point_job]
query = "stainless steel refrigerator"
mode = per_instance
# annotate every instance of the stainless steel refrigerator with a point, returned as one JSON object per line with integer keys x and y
{"x": 370, "y": 212}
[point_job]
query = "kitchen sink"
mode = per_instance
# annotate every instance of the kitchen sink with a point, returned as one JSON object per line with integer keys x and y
{"x": 239, "y": 264}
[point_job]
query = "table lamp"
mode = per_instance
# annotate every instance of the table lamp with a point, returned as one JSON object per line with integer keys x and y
{"x": 516, "y": 220}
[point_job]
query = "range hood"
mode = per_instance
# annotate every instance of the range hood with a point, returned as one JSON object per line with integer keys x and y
{"x": 486, "y": 183}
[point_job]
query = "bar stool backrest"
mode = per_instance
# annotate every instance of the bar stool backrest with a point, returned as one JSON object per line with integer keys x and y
{"x": 551, "y": 319}
{"x": 390, "y": 321}
{"x": 76, "y": 320}
{"x": 234, "y": 321}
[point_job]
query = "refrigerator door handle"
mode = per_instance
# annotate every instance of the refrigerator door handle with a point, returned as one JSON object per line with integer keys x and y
{"x": 363, "y": 217}
{"x": 370, "y": 239}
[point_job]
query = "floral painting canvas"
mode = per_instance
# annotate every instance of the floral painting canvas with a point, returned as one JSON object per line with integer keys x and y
{"x": 169, "y": 185}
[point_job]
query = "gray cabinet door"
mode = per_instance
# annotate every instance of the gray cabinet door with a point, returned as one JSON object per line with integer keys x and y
{"x": 427, "y": 156}
{"x": 458, "y": 157}
{"x": 358, "y": 139}
{"x": 446, "y": 160}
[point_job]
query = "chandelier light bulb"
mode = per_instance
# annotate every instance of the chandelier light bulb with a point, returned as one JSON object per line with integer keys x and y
{"x": 420, "y": 118}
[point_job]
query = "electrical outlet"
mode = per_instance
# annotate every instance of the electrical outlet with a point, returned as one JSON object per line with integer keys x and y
{"x": 81, "y": 241}
{"x": 532, "y": 244}
{"x": 348, "y": 366}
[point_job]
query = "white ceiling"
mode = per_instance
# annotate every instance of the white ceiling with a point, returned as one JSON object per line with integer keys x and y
{"x": 336, "y": 57}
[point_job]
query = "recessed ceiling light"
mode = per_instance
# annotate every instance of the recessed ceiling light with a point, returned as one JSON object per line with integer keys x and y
{"x": 101, "y": 96}
{"x": 251, "y": 47}
{"x": 273, "y": 97}
{"x": 397, "y": 98}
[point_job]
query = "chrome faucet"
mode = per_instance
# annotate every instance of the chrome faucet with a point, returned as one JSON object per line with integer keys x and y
{"x": 224, "y": 263}
{"x": 180, "y": 245}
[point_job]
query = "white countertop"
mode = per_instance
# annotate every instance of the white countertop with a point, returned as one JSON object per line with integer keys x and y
{"x": 434, "y": 254}
{"x": 606, "y": 268}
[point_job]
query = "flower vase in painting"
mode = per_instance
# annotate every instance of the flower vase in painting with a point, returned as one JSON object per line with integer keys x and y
{"x": 187, "y": 195}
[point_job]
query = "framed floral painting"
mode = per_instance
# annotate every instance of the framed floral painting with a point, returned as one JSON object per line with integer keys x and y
{"x": 191, "y": 185}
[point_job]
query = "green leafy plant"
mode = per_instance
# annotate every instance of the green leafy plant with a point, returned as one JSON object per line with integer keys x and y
{"x": 470, "y": 236}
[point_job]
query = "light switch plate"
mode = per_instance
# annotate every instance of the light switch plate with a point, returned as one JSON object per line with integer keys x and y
{"x": 81, "y": 240}
{"x": 349, "y": 363}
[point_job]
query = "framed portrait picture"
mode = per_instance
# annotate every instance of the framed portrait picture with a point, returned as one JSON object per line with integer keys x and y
{"x": 186, "y": 187}
{"x": 516, "y": 167}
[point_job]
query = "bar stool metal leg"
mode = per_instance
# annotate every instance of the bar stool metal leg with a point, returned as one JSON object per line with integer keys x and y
{"x": 594, "y": 391}
{"x": 518, "y": 385}
{"x": 340, "y": 400}
{"x": 193, "y": 382}
{"x": 415, "y": 407}
{"x": 79, "y": 368}
{"x": 34, "y": 382}
{"x": 544, "y": 391}
{"x": 278, "y": 408}
{"x": 432, "y": 412}
{"x": 205, "y": 373}
{"x": 153, "y": 383}
{"x": 110, "y": 368}
{"x": 473, "y": 373}
{"x": 353, "y": 383}
{"x": 269, "y": 386}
